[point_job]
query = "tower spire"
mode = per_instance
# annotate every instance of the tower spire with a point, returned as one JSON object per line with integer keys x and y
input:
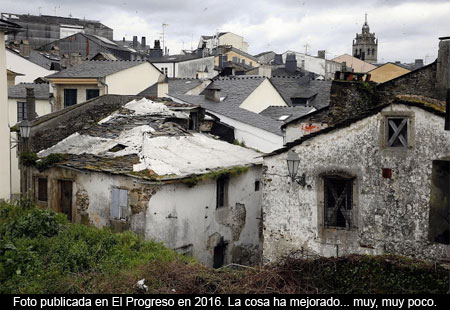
{"x": 366, "y": 18}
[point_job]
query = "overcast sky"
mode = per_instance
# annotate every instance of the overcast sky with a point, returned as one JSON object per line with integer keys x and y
{"x": 406, "y": 30}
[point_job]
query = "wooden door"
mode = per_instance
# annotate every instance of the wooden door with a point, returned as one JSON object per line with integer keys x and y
{"x": 65, "y": 203}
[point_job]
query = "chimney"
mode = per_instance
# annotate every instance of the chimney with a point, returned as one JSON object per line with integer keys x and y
{"x": 54, "y": 50}
{"x": 162, "y": 88}
{"x": 212, "y": 94}
{"x": 291, "y": 63}
{"x": 278, "y": 60}
{"x": 135, "y": 42}
{"x": 157, "y": 44}
{"x": 418, "y": 63}
{"x": 75, "y": 59}
{"x": 25, "y": 48}
{"x": 443, "y": 68}
{"x": 31, "y": 104}
{"x": 321, "y": 54}
{"x": 143, "y": 43}
{"x": 123, "y": 40}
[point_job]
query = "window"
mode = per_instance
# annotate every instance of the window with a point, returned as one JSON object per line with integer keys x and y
{"x": 165, "y": 70}
{"x": 42, "y": 189}
{"x": 235, "y": 59}
{"x": 439, "y": 216}
{"x": 70, "y": 97}
{"x": 92, "y": 93}
{"x": 119, "y": 204}
{"x": 338, "y": 201}
{"x": 222, "y": 183}
{"x": 193, "y": 116}
{"x": 397, "y": 132}
{"x": 21, "y": 111}
{"x": 257, "y": 185}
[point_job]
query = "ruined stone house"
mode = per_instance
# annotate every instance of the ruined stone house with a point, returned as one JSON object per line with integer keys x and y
{"x": 373, "y": 179}
{"x": 133, "y": 164}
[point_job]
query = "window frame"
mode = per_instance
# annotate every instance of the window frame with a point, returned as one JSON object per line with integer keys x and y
{"x": 122, "y": 207}
{"x": 222, "y": 191}
{"x": 329, "y": 187}
{"x": 21, "y": 111}
{"x": 91, "y": 90}
{"x": 384, "y": 130}
{"x": 42, "y": 191}
{"x": 65, "y": 93}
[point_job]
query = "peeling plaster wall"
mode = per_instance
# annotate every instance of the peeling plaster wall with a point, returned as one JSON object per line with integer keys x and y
{"x": 179, "y": 216}
{"x": 392, "y": 214}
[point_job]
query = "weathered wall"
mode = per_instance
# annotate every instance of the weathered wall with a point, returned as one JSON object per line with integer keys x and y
{"x": 392, "y": 214}
{"x": 262, "y": 97}
{"x": 189, "y": 69}
{"x": 133, "y": 80}
{"x": 443, "y": 69}
{"x": 308, "y": 124}
{"x": 4, "y": 129}
{"x": 183, "y": 218}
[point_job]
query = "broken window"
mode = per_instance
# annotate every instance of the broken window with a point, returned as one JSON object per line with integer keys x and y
{"x": 42, "y": 189}
{"x": 222, "y": 184}
{"x": 70, "y": 97}
{"x": 21, "y": 111}
{"x": 193, "y": 117}
{"x": 439, "y": 219}
{"x": 92, "y": 93}
{"x": 397, "y": 132}
{"x": 119, "y": 204}
{"x": 338, "y": 201}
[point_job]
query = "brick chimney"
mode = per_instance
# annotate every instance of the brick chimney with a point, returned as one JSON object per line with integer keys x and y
{"x": 291, "y": 63}
{"x": 25, "y": 48}
{"x": 135, "y": 42}
{"x": 212, "y": 94}
{"x": 143, "y": 43}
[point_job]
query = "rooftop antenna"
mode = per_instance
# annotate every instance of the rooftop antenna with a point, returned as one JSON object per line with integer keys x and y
{"x": 366, "y": 18}
{"x": 306, "y": 48}
{"x": 39, "y": 9}
{"x": 425, "y": 59}
{"x": 164, "y": 25}
{"x": 56, "y": 7}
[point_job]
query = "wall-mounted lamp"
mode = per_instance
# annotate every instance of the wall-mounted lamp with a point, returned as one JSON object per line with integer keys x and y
{"x": 293, "y": 161}
{"x": 25, "y": 128}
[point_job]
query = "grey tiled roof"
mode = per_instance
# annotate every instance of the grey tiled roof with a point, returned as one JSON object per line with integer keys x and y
{"x": 176, "y": 87}
{"x": 175, "y": 58}
{"x": 41, "y": 91}
{"x": 293, "y": 112}
{"x": 290, "y": 87}
{"x": 235, "y": 90}
{"x": 94, "y": 69}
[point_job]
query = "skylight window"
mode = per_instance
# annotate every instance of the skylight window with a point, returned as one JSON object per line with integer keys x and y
{"x": 283, "y": 117}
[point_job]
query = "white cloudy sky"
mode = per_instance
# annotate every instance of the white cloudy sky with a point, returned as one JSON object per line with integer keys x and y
{"x": 406, "y": 29}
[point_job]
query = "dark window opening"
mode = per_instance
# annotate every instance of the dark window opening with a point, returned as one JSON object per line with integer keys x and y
{"x": 397, "y": 132}
{"x": 219, "y": 254}
{"x": 193, "y": 116}
{"x": 65, "y": 201}
{"x": 257, "y": 185}
{"x": 439, "y": 219}
{"x": 42, "y": 189}
{"x": 299, "y": 101}
{"x": 92, "y": 93}
{"x": 222, "y": 183}
{"x": 70, "y": 97}
{"x": 338, "y": 200}
{"x": 117, "y": 147}
{"x": 21, "y": 111}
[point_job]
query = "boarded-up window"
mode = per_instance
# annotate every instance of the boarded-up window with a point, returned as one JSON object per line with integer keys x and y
{"x": 397, "y": 132}
{"x": 42, "y": 189}
{"x": 119, "y": 204}
{"x": 338, "y": 202}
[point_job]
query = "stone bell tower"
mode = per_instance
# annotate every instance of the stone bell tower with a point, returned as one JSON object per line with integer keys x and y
{"x": 365, "y": 45}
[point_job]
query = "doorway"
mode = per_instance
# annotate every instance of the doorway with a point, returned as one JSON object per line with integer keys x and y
{"x": 65, "y": 202}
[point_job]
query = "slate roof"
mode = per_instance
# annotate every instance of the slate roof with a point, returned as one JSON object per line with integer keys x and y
{"x": 275, "y": 112}
{"x": 41, "y": 91}
{"x": 235, "y": 90}
{"x": 95, "y": 69}
{"x": 292, "y": 86}
{"x": 177, "y": 86}
{"x": 141, "y": 139}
